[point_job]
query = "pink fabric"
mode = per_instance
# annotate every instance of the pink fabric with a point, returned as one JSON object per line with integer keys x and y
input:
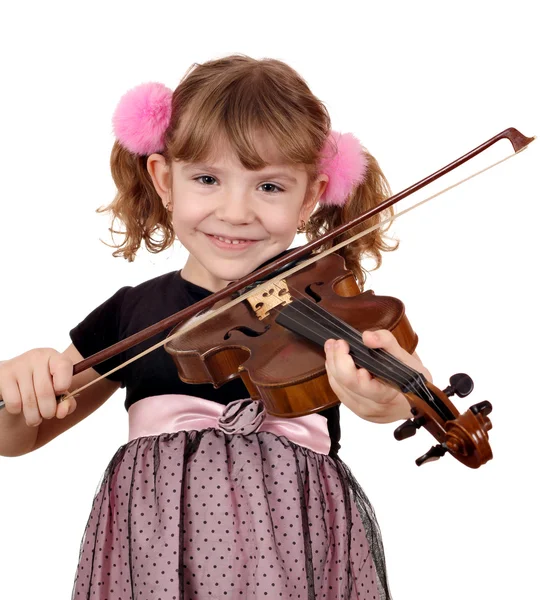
{"x": 170, "y": 413}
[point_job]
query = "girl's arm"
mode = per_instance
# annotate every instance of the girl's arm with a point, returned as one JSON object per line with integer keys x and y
{"x": 18, "y": 438}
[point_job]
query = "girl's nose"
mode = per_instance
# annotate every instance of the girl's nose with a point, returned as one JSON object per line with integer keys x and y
{"x": 235, "y": 207}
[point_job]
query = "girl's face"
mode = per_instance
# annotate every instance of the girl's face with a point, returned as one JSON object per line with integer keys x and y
{"x": 231, "y": 219}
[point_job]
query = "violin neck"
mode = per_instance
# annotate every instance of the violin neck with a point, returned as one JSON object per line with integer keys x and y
{"x": 309, "y": 320}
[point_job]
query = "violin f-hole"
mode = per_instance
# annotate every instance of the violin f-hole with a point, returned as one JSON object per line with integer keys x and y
{"x": 247, "y": 331}
{"x": 311, "y": 292}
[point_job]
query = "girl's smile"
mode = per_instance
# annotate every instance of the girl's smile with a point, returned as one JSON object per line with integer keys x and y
{"x": 230, "y": 244}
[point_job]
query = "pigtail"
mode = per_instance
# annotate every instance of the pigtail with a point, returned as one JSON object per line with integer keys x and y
{"x": 137, "y": 206}
{"x": 371, "y": 192}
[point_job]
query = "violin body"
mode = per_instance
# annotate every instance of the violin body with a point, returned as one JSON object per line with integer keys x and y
{"x": 282, "y": 368}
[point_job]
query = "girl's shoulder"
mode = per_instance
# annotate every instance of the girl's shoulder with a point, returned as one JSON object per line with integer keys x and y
{"x": 131, "y": 309}
{"x": 130, "y": 296}
{"x": 141, "y": 302}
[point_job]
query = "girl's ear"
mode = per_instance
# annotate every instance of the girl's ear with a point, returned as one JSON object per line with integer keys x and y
{"x": 313, "y": 196}
{"x": 160, "y": 173}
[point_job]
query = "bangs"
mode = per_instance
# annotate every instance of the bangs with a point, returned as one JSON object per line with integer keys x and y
{"x": 241, "y": 113}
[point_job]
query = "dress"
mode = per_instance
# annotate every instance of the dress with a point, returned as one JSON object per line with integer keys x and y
{"x": 223, "y": 511}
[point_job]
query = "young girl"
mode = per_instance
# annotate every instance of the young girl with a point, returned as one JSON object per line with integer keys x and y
{"x": 211, "y": 497}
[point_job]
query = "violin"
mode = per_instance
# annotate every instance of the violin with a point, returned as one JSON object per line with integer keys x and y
{"x": 274, "y": 342}
{"x": 269, "y": 329}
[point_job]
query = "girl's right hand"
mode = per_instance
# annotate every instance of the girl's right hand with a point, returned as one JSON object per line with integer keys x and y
{"x": 29, "y": 383}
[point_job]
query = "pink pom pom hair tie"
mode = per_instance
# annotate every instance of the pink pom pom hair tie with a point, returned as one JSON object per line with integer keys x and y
{"x": 144, "y": 113}
{"x": 142, "y": 117}
{"x": 343, "y": 160}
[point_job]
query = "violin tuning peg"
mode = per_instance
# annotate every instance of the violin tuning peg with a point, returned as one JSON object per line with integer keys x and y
{"x": 434, "y": 453}
{"x": 408, "y": 429}
{"x": 484, "y": 408}
{"x": 405, "y": 431}
{"x": 460, "y": 384}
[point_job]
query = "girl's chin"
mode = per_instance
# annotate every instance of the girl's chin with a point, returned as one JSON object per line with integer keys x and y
{"x": 229, "y": 275}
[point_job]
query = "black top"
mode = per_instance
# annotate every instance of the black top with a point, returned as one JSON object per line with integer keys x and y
{"x": 132, "y": 309}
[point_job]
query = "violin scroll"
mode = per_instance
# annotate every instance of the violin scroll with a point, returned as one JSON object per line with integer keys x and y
{"x": 464, "y": 436}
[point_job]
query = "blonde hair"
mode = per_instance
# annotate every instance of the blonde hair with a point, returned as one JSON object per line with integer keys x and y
{"x": 233, "y": 98}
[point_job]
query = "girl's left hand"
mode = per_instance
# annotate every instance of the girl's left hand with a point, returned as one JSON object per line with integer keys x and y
{"x": 366, "y": 396}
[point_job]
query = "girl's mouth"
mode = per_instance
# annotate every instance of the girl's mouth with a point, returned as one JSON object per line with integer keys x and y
{"x": 230, "y": 243}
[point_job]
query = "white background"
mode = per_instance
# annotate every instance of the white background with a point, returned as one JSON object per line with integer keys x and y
{"x": 420, "y": 84}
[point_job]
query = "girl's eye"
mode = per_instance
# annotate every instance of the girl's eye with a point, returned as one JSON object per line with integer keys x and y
{"x": 205, "y": 177}
{"x": 272, "y": 185}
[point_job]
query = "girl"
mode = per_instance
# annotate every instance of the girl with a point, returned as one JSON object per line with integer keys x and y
{"x": 211, "y": 497}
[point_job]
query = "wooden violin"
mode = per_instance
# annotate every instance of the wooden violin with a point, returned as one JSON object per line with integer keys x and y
{"x": 274, "y": 342}
{"x": 269, "y": 328}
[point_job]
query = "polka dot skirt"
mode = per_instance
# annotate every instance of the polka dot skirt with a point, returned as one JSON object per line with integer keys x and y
{"x": 205, "y": 514}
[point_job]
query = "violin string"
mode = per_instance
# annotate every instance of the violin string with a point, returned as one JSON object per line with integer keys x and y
{"x": 320, "y": 328}
{"x": 415, "y": 381}
{"x": 352, "y": 333}
{"x": 340, "y": 327}
{"x": 357, "y": 353}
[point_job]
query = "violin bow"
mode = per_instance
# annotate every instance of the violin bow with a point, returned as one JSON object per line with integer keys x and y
{"x": 282, "y": 265}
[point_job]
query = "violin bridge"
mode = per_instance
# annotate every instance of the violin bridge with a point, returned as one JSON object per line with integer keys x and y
{"x": 270, "y": 296}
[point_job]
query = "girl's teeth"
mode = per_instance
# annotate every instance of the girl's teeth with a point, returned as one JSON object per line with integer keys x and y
{"x": 228, "y": 241}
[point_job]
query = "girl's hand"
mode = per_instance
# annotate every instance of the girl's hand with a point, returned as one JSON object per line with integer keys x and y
{"x": 29, "y": 383}
{"x": 366, "y": 396}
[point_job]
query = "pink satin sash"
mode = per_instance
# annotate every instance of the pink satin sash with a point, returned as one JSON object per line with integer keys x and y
{"x": 170, "y": 413}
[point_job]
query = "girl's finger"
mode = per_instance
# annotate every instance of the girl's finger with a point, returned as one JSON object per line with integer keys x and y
{"x": 374, "y": 389}
{"x": 28, "y": 399}
{"x": 343, "y": 366}
{"x": 11, "y": 396}
{"x": 65, "y": 408}
{"x": 61, "y": 369}
{"x": 384, "y": 339}
{"x": 358, "y": 381}
{"x": 43, "y": 387}
{"x": 362, "y": 406}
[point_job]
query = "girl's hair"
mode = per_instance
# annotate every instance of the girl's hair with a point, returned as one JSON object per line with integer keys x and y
{"x": 232, "y": 98}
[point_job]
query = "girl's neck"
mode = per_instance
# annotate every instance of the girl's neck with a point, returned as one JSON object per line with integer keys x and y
{"x": 195, "y": 273}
